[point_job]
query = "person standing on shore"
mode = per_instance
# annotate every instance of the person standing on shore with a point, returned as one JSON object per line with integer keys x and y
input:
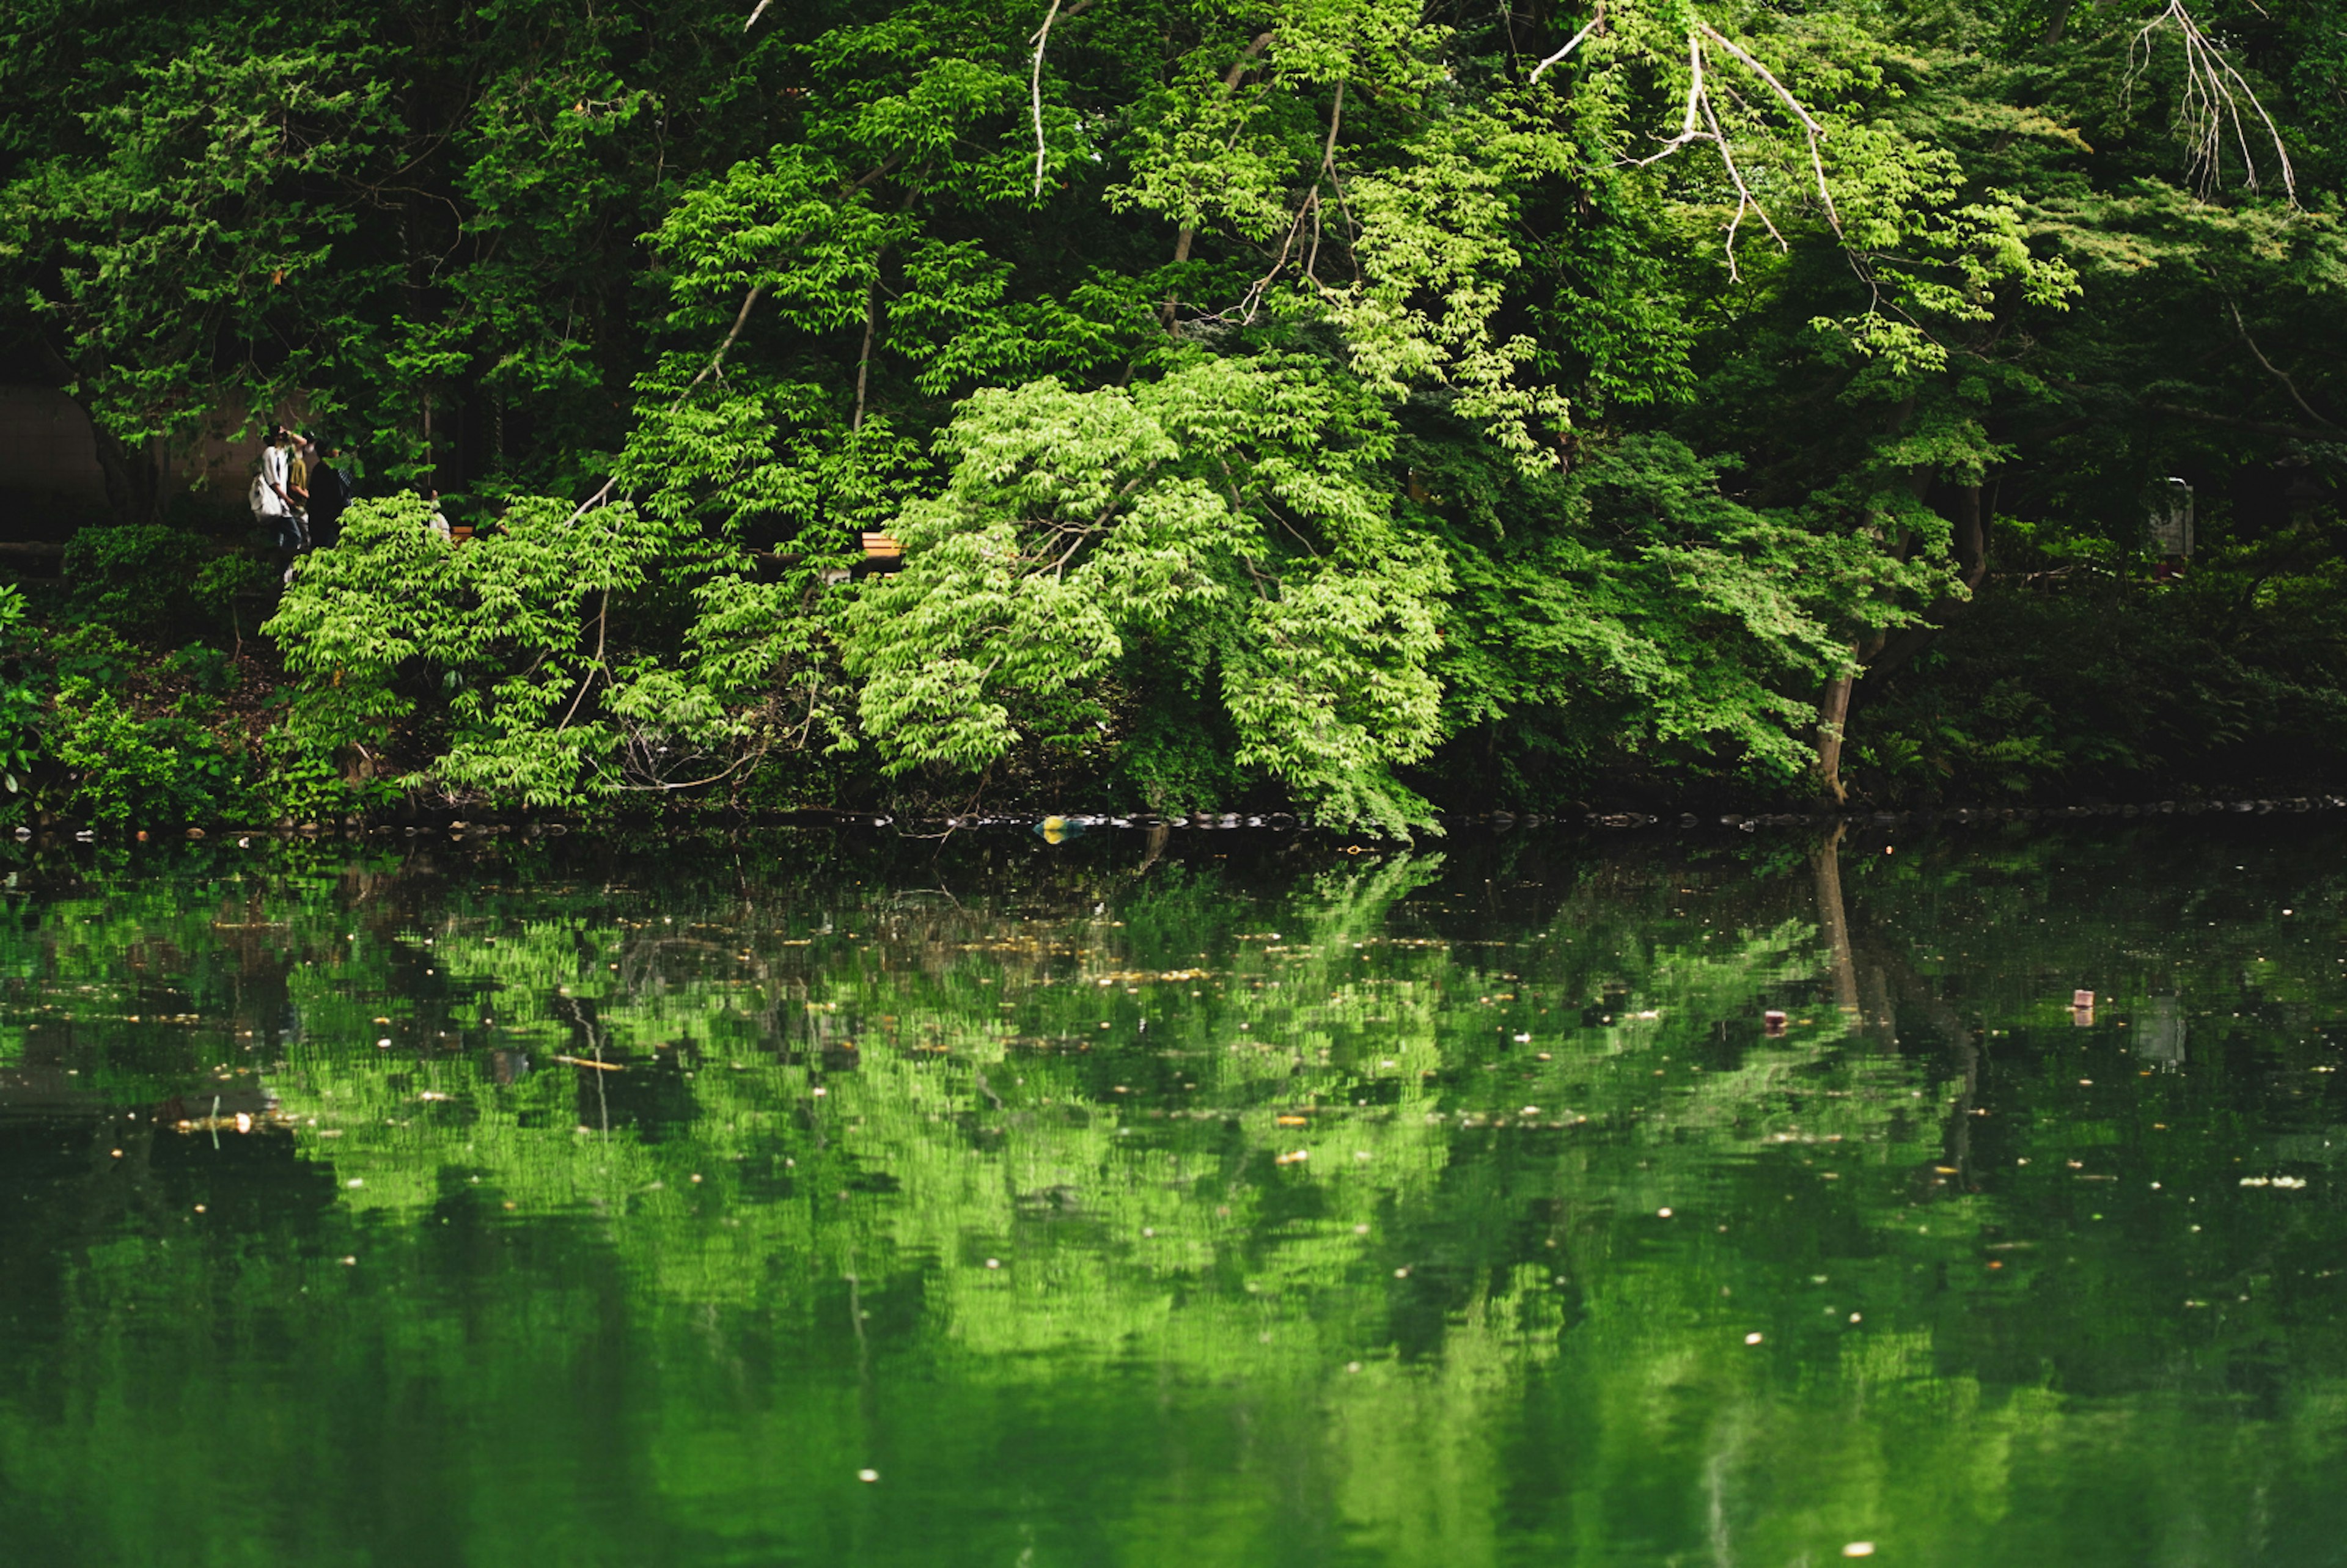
{"x": 272, "y": 495}
{"x": 330, "y": 491}
{"x": 299, "y": 452}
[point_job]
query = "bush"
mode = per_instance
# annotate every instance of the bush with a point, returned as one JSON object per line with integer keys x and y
{"x": 204, "y": 669}
{"x": 134, "y": 577}
{"x": 122, "y": 767}
{"x": 96, "y": 654}
{"x": 307, "y": 776}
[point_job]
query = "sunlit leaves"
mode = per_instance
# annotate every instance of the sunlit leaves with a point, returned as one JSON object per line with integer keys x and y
{"x": 1231, "y": 506}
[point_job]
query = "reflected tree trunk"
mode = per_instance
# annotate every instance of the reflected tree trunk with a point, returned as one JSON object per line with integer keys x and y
{"x": 1862, "y": 981}
{"x": 1870, "y": 982}
{"x": 1833, "y": 924}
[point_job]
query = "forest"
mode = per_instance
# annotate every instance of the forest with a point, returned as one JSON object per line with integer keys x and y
{"x": 1372, "y": 408}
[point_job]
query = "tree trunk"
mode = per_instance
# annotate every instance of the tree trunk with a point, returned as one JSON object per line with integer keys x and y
{"x": 134, "y": 481}
{"x": 133, "y": 475}
{"x": 1186, "y": 235}
{"x": 864, "y": 359}
{"x": 1971, "y": 537}
{"x": 1833, "y": 717}
{"x": 1969, "y": 540}
{"x": 1833, "y": 713}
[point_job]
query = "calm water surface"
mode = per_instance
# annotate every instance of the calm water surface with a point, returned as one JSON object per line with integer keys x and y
{"x": 1210, "y": 1200}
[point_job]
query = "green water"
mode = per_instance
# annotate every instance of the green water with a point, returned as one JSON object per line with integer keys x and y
{"x": 1213, "y": 1199}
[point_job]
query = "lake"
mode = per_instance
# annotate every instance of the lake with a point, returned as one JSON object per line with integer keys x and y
{"x": 1186, "y": 1198}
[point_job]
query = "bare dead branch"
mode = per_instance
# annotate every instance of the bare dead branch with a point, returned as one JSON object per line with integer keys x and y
{"x": 755, "y": 15}
{"x": 1310, "y": 208}
{"x": 1035, "y": 87}
{"x": 2210, "y": 103}
{"x": 1811, "y": 129}
{"x": 1744, "y": 198}
{"x": 1252, "y": 300}
{"x": 1692, "y": 129}
{"x": 1596, "y": 19}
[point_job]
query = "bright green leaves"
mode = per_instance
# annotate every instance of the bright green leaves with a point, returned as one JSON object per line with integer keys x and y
{"x": 994, "y": 607}
{"x": 1405, "y": 250}
{"x": 1329, "y": 685}
{"x": 790, "y": 226}
{"x": 1702, "y": 340}
{"x": 525, "y": 637}
{"x": 922, "y": 84}
{"x": 1940, "y": 265}
{"x": 1435, "y": 248}
{"x": 954, "y": 316}
{"x": 1206, "y": 152}
{"x": 1232, "y": 510}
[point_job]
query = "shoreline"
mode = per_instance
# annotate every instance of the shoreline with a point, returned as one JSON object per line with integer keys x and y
{"x": 1053, "y": 827}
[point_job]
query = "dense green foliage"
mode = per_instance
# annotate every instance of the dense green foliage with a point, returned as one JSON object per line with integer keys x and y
{"x": 1137, "y": 1203}
{"x": 1353, "y": 402}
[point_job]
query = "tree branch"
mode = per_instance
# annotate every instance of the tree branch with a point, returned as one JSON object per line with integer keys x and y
{"x": 2208, "y": 101}
{"x": 1743, "y": 196}
{"x": 1188, "y": 233}
{"x": 1035, "y": 88}
{"x": 741, "y": 320}
{"x": 1041, "y": 40}
{"x": 1596, "y": 19}
{"x": 602, "y": 625}
{"x": 1692, "y": 131}
{"x": 2231, "y": 422}
{"x": 2276, "y": 371}
{"x": 864, "y": 359}
{"x": 1811, "y": 129}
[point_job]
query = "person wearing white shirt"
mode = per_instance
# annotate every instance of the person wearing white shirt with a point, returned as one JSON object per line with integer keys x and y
{"x": 273, "y": 497}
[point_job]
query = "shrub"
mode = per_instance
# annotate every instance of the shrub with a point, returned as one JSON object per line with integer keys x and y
{"x": 121, "y": 767}
{"x": 133, "y": 578}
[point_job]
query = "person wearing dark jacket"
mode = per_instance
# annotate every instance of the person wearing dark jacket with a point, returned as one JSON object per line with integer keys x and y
{"x": 330, "y": 491}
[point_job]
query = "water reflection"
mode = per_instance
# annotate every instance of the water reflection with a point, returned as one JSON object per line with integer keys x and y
{"x": 1193, "y": 1198}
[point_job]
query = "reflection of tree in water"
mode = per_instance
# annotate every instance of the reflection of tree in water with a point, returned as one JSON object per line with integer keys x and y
{"x": 1499, "y": 1065}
